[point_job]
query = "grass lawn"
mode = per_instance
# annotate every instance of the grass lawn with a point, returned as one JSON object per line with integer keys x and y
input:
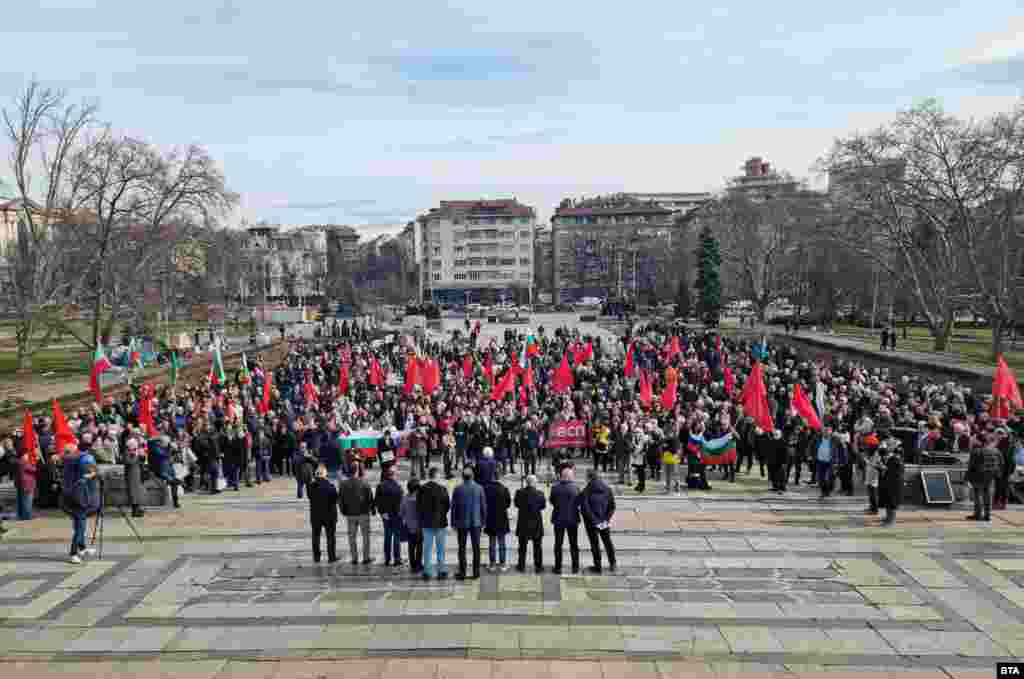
{"x": 62, "y": 362}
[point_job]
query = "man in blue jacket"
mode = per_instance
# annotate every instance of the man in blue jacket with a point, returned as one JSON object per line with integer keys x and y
{"x": 469, "y": 516}
{"x": 565, "y": 516}
{"x": 161, "y": 465}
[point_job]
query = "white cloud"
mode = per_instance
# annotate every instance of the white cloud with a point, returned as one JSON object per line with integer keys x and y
{"x": 996, "y": 45}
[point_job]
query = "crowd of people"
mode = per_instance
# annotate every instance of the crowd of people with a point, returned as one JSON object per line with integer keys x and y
{"x": 654, "y": 406}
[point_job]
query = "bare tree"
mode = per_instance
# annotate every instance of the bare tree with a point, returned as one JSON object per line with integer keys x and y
{"x": 933, "y": 202}
{"x": 760, "y": 243}
{"x": 45, "y": 132}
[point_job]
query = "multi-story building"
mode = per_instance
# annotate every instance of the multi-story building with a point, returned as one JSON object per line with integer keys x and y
{"x": 476, "y": 251}
{"x": 543, "y": 264}
{"x": 287, "y": 265}
{"x": 679, "y": 202}
{"x": 760, "y": 182}
{"x": 608, "y": 246}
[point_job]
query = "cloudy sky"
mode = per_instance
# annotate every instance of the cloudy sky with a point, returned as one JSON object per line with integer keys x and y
{"x": 369, "y": 113}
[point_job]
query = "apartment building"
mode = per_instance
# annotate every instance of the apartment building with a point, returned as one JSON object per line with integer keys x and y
{"x": 476, "y": 251}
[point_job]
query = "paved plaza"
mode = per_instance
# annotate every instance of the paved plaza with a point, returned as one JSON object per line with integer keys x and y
{"x": 726, "y": 583}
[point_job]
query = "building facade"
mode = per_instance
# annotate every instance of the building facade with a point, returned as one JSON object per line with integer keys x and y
{"x": 289, "y": 265}
{"x": 609, "y": 246}
{"x": 476, "y": 251}
{"x": 680, "y": 203}
{"x": 760, "y": 182}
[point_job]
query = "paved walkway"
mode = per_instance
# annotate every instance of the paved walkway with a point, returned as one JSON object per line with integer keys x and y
{"x": 718, "y": 584}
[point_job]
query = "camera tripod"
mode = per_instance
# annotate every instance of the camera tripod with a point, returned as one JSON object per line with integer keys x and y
{"x": 97, "y": 529}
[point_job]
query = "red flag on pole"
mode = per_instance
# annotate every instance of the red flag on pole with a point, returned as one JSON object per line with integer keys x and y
{"x": 467, "y": 367}
{"x": 411, "y": 374}
{"x": 343, "y": 380}
{"x": 629, "y": 369}
{"x": 29, "y": 441}
{"x": 310, "y": 392}
{"x": 803, "y": 408}
{"x": 754, "y": 399}
{"x": 265, "y": 401}
{"x": 646, "y": 395}
{"x": 503, "y": 387}
{"x": 376, "y": 374}
{"x": 489, "y": 369}
{"x": 62, "y": 433}
{"x": 585, "y": 354}
{"x": 730, "y": 381}
{"x": 1005, "y": 389}
{"x": 674, "y": 348}
{"x": 562, "y": 380}
{"x": 668, "y": 397}
{"x": 146, "y": 411}
{"x": 528, "y": 378}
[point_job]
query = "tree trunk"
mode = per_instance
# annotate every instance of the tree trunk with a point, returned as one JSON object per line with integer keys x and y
{"x": 997, "y": 337}
{"x": 945, "y": 332}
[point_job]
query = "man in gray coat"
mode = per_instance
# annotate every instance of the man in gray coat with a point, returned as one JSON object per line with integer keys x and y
{"x": 134, "y": 458}
{"x": 469, "y": 516}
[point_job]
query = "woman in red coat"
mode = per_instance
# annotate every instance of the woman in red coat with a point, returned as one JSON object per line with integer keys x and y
{"x": 25, "y": 484}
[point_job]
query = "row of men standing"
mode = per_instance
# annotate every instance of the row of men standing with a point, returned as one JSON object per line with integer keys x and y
{"x": 420, "y": 518}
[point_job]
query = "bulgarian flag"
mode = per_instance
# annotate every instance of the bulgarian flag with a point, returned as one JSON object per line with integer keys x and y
{"x": 217, "y": 375}
{"x": 716, "y": 451}
{"x": 364, "y": 443}
{"x": 100, "y": 364}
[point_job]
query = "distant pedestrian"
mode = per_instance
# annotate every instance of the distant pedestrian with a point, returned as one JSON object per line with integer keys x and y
{"x": 412, "y": 534}
{"x": 565, "y": 517}
{"x": 356, "y": 500}
{"x": 597, "y": 506}
{"x": 388, "y": 502}
{"x": 323, "y": 514}
{"x": 432, "y": 504}
{"x": 469, "y": 516}
{"x": 530, "y": 503}
{"x": 885, "y": 338}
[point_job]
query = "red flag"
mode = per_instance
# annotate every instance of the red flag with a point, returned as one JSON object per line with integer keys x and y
{"x": 489, "y": 369}
{"x": 528, "y": 378}
{"x": 376, "y": 374}
{"x": 646, "y": 396}
{"x": 507, "y": 384}
{"x": 754, "y": 399}
{"x": 730, "y": 381}
{"x": 29, "y": 441}
{"x": 343, "y": 380}
{"x": 431, "y": 379}
{"x": 629, "y": 369}
{"x": 523, "y": 397}
{"x": 62, "y": 433}
{"x": 803, "y": 407}
{"x": 310, "y": 393}
{"x": 1005, "y": 389}
{"x": 467, "y": 367}
{"x": 583, "y": 355}
{"x": 673, "y": 348}
{"x": 146, "y": 411}
{"x": 668, "y": 397}
{"x": 411, "y": 374}
{"x": 562, "y": 380}
{"x": 265, "y": 402}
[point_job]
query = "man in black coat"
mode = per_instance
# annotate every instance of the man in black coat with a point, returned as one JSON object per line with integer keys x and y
{"x": 597, "y": 505}
{"x": 388, "y": 501}
{"x": 323, "y": 514}
{"x": 565, "y": 517}
{"x": 530, "y": 527}
{"x": 432, "y": 505}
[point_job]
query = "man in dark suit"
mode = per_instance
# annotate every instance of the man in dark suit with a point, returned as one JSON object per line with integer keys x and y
{"x": 469, "y": 516}
{"x": 530, "y": 526}
{"x": 323, "y": 514}
{"x": 565, "y": 517}
{"x": 597, "y": 505}
{"x": 432, "y": 505}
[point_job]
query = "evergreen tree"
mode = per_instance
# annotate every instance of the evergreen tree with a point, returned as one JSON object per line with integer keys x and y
{"x": 709, "y": 284}
{"x": 684, "y": 303}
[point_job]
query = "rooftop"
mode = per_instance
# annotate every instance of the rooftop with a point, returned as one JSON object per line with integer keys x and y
{"x": 506, "y": 207}
{"x": 619, "y": 204}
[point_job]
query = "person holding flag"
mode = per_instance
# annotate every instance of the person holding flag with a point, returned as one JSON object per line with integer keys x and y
{"x": 26, "y": 470}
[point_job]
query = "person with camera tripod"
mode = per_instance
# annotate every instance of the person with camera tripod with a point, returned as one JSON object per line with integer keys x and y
{"x": 81, "y": 496}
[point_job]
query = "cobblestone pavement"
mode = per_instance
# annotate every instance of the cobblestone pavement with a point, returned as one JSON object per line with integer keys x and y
{"x": 707, "y": 586}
